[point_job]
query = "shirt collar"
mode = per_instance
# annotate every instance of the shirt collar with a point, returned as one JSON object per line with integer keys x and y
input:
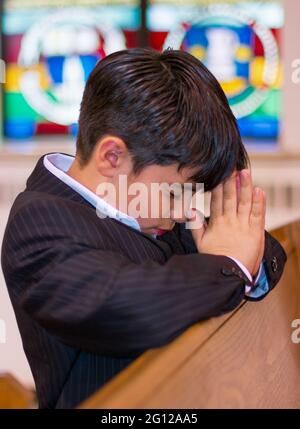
{"x": 58, "y": 164}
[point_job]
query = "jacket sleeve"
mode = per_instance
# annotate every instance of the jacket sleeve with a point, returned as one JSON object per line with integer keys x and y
{"x": 274, "y": 261}
{"x": 274, "y": 258}
{"x": 100, "y": 301}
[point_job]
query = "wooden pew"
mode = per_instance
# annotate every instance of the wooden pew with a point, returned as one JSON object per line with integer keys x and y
{"x": 13, "y": 394}
{"x": 245, "y": 359}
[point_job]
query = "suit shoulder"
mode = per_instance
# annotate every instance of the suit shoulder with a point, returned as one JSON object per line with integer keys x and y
{"x": 37, "y": 214}
{"x": 31, "y": 202}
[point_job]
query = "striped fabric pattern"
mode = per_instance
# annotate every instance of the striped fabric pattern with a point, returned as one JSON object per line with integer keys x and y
{"x": 90, "y": 295}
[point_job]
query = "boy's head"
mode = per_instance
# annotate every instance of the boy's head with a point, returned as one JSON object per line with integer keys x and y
{"x": 163, "y": 114}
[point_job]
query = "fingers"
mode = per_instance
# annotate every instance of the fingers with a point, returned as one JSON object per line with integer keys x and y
{"x": 258, "y": 209}
{"x": 264, "y": 211}
{"x": 236, "y": 196}
{"x": 216, "y": 202}
{"x": 238, "y": 186}
{"x": 230, "y": 196}
{"x": 245, "y": 200}
{"x": 197, "y": 224}
{"x": 260, "y": 255}
{"x": 224, "y": 198}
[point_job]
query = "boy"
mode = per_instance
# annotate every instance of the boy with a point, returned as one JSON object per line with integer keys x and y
{"x": 92, "y": 292}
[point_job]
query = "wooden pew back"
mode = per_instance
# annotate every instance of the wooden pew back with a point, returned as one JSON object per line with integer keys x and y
{"x": 13, "y": 395}
{"x": 245, "y": 359}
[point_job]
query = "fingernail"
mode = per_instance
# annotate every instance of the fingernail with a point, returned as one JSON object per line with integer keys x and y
{"x": 257, "y": 192}
{"x": 244, "y": 174}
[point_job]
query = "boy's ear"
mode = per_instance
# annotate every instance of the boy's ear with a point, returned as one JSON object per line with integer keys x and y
{"x": 110, "y": 153}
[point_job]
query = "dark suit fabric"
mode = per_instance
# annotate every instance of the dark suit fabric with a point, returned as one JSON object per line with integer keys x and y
{"x": 90, "y": 295}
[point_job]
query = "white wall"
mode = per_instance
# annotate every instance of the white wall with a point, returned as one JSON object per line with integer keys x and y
{"x": 12, "y": 357}
{"x": 291, "y": 100}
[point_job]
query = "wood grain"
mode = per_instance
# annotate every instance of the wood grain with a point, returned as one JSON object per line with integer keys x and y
{"x": 13, "y": 394}
{"x": 245, "y": 359}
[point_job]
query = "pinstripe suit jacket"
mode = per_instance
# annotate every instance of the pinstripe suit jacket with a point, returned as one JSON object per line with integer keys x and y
{"x": 90, "y": 295}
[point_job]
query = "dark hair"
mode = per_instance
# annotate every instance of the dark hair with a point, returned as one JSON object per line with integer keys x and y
{"x": 168, "y": 108}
